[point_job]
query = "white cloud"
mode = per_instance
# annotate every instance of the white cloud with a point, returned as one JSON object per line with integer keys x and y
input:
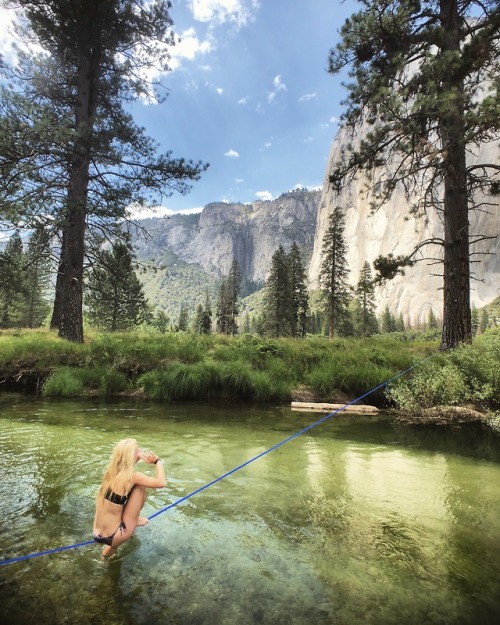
{"x": 278, "y": 85}
{"x": 236, "y": 12}
{"x": 267, "y": 144}
{"x": 219, "y": 90}
{"x": 243, "y": 101}
{"x": 239, "y": 180}
{"x": 264, "y": 195}
{"x": 138, "y": 212}
{"x": 232, "y": 154}
{"x": 188, "y": 47}
{"x": 334, "y": 120}
{"x": 307, "y": 96}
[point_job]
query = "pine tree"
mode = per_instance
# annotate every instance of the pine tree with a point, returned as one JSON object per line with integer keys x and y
{"x": 425, "y": 80}
{"x": 233, "y": 293}
{"x": 227, "y": 301}
{"x": 13, "y": 288}
{"x": 278, "y": 299}
{"x": 485, "y": 321}
{"x": 365, "y": 320}
{"x": 400, "y": 323}
{"x": 69, "y": 143}
{"x": 202, "y": 322}
{"x": 299, "y": 293}
{"x": 37, "y": 268}
{"x": 387, "y": 321}
{"x": 115, "y": 296}
{"x": 161, "y": 321}
{"x": 474, "y": 320}
{"x": 183, "y": 322}
{"x": 432, "y": 322}
{"x": 334, "y": 273}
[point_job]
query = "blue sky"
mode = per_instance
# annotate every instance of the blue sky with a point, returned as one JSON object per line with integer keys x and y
{"x": 249, "y": 93}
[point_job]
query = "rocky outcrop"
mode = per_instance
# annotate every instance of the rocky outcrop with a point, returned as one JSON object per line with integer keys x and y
{"x": 391, "y": 229}
{"x": 249, "y": 233}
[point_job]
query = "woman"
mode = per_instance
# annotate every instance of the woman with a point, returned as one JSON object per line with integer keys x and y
{"x": 122, "y": 495}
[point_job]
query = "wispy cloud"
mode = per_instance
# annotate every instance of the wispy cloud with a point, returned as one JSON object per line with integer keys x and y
{"x": 307, "y": 97}
{"x": 219, "y": 90}
{"x": 236, "y": 12}
{"x": 243, "y": 100}
{"x": 334, "y": 120}
{"x": 232, "y": 154}
{"x": 278, "y": 86}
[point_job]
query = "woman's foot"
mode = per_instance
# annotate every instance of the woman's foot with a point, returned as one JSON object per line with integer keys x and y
{"x": 109, "y": 551}
{"x": 141, "y": 521}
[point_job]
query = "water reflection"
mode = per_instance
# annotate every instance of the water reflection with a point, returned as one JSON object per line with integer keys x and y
{"x": 357, "y": 522}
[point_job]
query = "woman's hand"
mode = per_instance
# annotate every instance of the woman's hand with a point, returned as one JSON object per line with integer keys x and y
{"x": 150, "y": 457}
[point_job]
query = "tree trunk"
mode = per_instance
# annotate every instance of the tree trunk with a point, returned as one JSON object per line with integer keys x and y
{"x": 456, "y": 300}
{"x": 71, "y": 294}
{"x": 73, "y": 249}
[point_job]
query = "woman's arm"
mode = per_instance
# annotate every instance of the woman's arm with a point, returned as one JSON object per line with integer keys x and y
{"x": 159, "y": 480}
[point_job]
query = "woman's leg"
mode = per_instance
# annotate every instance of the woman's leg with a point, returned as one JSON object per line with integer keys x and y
{"x": 130, "y": 518}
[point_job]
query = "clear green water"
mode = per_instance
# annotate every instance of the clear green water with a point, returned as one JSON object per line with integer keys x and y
{"x": 358, "y": 521}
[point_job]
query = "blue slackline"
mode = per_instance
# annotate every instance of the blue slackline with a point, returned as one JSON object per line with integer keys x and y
{"x": 221, "y": 477}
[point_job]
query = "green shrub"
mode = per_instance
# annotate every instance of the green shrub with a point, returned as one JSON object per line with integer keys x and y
{"x": 431, "y": 385}
{"x": 72, "y": 381}
{"x": 181, "y": 381}
{"x": 63, "y": 383}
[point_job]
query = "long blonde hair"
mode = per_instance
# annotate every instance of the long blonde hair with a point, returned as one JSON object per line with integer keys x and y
{"x": 122, "y": 463}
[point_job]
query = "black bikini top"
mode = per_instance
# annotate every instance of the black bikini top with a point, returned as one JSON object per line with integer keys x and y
{"x": 121, "y": 500}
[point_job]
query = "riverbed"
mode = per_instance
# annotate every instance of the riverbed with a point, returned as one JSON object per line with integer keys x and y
{"x": 357, "y": 521}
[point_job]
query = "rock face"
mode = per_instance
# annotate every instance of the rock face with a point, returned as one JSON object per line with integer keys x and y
{"x": 392, "y": 229}
{"x": 249, "y": 233}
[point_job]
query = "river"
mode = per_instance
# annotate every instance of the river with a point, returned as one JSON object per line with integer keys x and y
{"x": 356, "y": 521}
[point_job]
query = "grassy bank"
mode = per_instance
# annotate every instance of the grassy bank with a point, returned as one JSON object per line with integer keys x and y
{"x": 183, "y": 366}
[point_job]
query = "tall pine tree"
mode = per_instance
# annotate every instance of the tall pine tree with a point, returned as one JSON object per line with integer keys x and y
{"x": 299, "y": 293}
{"x": 425, "y": 80}
{"x": 115, "y": 296}
{"x": 365, "y": 320}
{"x": 278, "y": 298}
{"x": 68, "y": 142}
{"x": 333, "y": 275}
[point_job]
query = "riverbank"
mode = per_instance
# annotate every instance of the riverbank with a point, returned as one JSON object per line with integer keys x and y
{"x": 188, "y": 367}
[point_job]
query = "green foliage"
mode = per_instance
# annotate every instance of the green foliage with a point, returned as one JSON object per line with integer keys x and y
{"x": 228, "y": 305}
{"x": 115, "y": 297}
{"x": 75, "y": 158}
{"x": 333, "y": 276}
{"x": 74, "y": 382}
{"x": 180, "y": 382}
{"x": 186, "y": 366}
{"x": 424, "y": 91}
{"x": 468, "y": 374}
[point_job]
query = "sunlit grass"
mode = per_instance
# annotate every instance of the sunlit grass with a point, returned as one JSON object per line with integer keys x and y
{"x": 184, "y": 366}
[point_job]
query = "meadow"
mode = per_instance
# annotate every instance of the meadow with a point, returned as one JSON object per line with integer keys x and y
{"x": 191, "y": 367}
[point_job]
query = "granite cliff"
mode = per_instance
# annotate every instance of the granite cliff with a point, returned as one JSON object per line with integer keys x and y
{"x": 392, "y": 230}
{"x": 249, "y": 233}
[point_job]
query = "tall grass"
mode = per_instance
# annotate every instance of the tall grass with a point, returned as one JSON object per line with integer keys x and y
{"x": 183, "y": 366}
{"x": 73, "y": 382}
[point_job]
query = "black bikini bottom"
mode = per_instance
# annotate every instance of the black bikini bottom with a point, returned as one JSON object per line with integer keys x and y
{"x": 107, "y": 540}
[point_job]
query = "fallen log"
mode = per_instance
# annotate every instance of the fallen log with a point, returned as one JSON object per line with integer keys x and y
{"x": 306, "y": 406}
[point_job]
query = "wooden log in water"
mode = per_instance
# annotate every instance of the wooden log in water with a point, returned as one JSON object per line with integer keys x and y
{"x": 307, "y": 406}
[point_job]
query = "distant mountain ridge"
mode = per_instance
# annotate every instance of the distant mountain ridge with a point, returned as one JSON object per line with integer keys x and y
{"x": 192, "y": 252}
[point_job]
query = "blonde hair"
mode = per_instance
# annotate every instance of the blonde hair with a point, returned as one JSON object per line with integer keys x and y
{"x": 122, "y": 463}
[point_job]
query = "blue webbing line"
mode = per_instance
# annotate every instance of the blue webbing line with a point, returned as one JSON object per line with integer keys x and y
{"x": 241, "y": 466}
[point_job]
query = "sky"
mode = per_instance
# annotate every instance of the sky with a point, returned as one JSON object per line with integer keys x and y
{"x": 250, "y": 94}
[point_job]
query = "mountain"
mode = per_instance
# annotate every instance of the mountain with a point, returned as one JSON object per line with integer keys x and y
{"x": 391, "y": 229}
{"x": 191, "y": 253}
